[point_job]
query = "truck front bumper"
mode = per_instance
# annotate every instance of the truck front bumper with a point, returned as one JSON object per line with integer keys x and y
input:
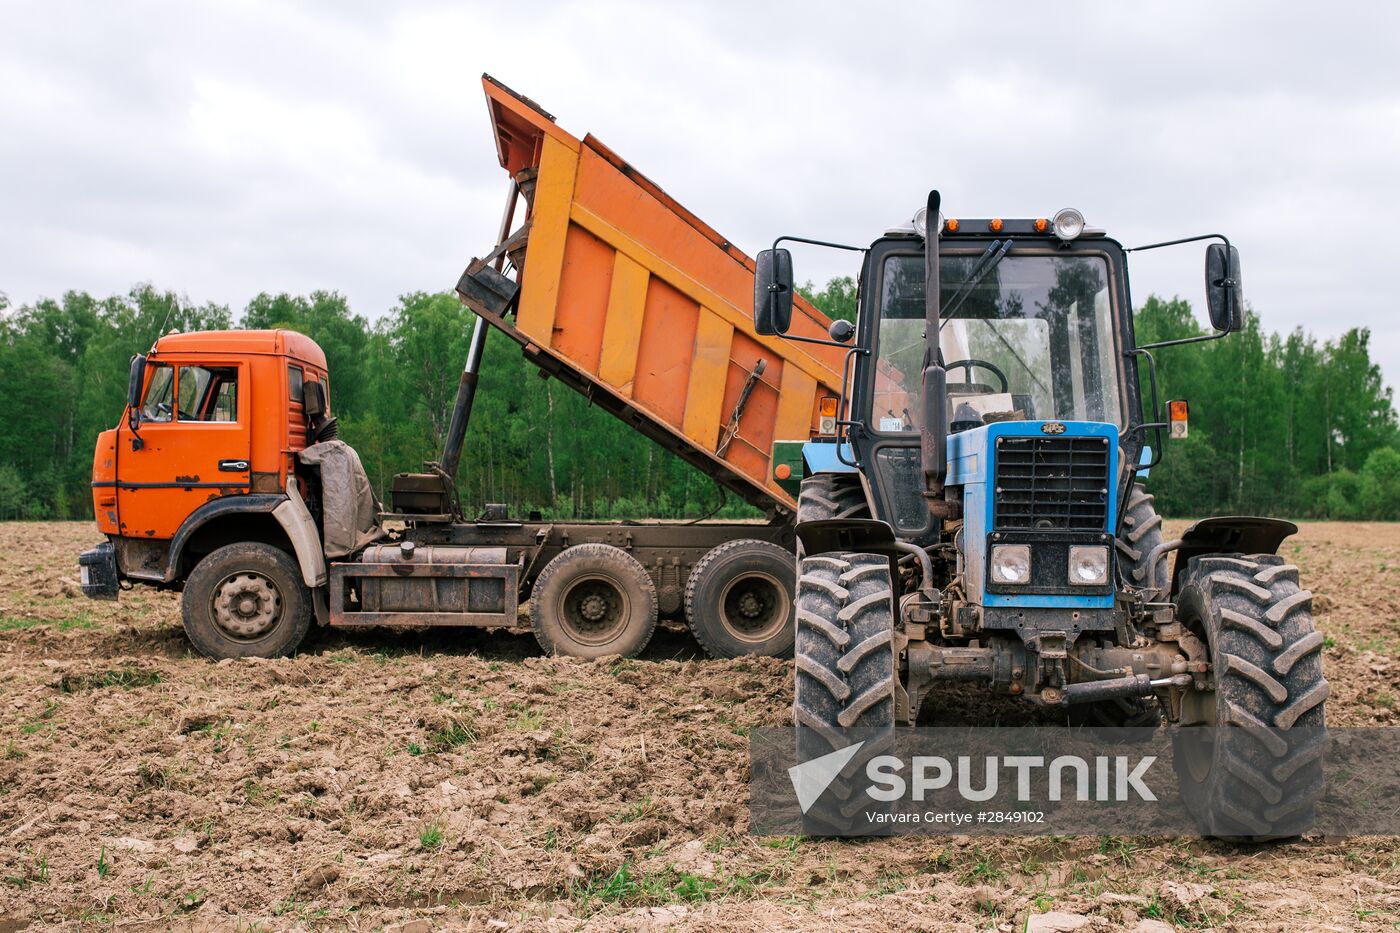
{"x": 98, "y": 570}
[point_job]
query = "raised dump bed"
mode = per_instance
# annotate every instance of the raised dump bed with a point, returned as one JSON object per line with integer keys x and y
{"x": 633, "y": 300}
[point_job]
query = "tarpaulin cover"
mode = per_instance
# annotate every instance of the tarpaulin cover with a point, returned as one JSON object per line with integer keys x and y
{"x": 349, "y": 508}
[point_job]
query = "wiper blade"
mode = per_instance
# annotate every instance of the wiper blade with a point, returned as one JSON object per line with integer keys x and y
{"x": 985, "y": 264}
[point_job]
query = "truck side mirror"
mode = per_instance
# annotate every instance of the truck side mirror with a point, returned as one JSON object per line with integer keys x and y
{"x": 136, "y": 378}
{"x": 772, "y": 292}
{"x": 313, "y": 402}
{"x": 1224, "y": 299}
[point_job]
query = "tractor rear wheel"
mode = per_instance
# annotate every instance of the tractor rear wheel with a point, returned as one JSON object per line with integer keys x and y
{"x": 831, "y": 495}
{"x": 845, "y": 675}
{"x": 739, "y": 600}
{"x": 593, "y": 600}
{"x": 1142, "y": 531}
{"x": 1248, "y": 753}
{"x": 246, "y": 600}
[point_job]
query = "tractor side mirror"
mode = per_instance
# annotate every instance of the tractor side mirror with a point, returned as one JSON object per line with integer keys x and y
{"x": 772, "y": 292}
{"x": 135, "y": 379}
{"x": 1224, "y": 299}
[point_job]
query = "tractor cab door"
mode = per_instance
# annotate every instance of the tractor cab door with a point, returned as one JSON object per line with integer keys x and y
{"x": 193, "y": 444}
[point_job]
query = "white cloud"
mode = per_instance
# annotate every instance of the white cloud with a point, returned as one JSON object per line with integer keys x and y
{"x": 223, "y": 149}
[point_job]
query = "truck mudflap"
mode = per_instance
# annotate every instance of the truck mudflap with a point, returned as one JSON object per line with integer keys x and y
{"x": 97, "y": 569}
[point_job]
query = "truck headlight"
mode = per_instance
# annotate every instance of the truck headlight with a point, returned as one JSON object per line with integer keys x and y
{"x": 1011, "y": 563}
{"x": 1088, "y": 565}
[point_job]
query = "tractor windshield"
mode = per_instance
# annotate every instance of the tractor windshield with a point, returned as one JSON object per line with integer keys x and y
{"x": 1032, "y": 339}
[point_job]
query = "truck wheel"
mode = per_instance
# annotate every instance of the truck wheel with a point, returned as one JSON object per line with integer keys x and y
{"x": 1262, "y": 781}
{"x": 593, "y": 600}
{"x": 831, "y": 495}
{"x": 738, "y": 600}
{"x": 246, "y": 600}
{"x": 845, "y": 676}
{"x": 1142, "y": 531}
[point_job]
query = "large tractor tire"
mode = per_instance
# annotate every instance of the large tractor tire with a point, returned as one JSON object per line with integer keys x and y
{"x": 1142, "y": 531}
{"x": 845, "y": 676}
{"x": 246, "y": 600}
{"x": 739, "y": 600}
{"x": 593, "y": 600}
{"x": 1258, "y": 774}
{"x": 831, "y": 495}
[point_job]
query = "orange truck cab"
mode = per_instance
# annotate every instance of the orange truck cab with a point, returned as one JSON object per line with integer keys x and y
{"x": 205, "y": 456}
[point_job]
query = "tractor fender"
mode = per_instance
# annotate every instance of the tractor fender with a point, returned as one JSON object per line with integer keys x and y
{"x": 859, "y": 535}
{"x": 217, "y": 508}
{"x": 1230, "y": 534}
{"x": 295, "y": 519}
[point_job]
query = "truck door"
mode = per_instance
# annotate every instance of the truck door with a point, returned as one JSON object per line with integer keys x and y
{"x": 195, "y": 443}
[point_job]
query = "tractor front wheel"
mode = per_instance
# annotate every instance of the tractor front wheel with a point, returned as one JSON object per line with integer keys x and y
{"x": 1248, "y": 753}
{"x": 845, "y": 676}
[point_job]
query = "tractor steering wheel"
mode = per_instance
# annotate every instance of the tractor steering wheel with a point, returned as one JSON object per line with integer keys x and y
{"x": 968, "y": 364}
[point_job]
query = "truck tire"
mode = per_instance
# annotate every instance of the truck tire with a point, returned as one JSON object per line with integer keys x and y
{"x": 739, "y": 600}
{"x": 246, "y": 600}
{"x": 1263, "y": 781}
{"x": 1141, "y": 532}
{"x": 593, "y": 600}
{"x": 845, "y": 676}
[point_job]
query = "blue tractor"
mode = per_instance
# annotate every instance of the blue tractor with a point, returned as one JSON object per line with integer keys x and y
{"x": 979, "y": 515}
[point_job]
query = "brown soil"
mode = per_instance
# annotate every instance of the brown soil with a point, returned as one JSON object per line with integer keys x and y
{"x": 459, "y": 780}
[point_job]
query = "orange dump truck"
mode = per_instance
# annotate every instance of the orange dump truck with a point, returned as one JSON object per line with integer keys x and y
{"x": 224, "y": 477}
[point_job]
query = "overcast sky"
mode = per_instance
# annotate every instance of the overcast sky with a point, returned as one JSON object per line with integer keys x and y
{"x": 223, "y": 149}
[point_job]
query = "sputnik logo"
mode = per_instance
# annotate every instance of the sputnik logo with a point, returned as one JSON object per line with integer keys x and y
{"x": 811, "y": 778}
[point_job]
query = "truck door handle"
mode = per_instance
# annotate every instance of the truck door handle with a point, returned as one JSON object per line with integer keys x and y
{"x": 233, "y": 466}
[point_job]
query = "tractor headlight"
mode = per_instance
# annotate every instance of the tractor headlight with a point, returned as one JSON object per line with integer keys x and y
{"x": 1011, "y": 563}
{"x": 1068, "y": 224}
{"x": 1088, "y": 565}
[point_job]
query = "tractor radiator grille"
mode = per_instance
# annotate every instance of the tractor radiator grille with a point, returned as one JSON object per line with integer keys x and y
{"x": 1052, "y": 483}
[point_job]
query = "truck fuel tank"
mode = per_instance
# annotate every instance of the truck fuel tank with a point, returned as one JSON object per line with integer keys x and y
{"x": 434, "y": 579}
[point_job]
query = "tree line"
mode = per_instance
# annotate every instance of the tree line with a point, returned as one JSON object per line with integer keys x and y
{"x": 1280, "y": 424}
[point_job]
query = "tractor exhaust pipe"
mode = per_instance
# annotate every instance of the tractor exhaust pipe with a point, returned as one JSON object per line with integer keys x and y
{"x": 933, "y": 446}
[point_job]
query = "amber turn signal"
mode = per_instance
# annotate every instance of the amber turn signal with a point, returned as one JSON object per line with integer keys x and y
{"x": 828, "y": 406}
{"x": 951, "y": 225}
{"x": 1177, "y": 411}
{"x": 995, "y": 224}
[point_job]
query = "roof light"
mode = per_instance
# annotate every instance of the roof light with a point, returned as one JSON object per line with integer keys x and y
{"x": 1041, "y": 225}
{"x": 951, "y": 225}
{"x": 995, "y": 224}
{"x": 1069, "y": 223}
{"x": 921, "y": 222}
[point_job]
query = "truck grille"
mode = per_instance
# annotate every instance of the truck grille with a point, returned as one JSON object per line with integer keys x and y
{"x": 1052, "y": 483}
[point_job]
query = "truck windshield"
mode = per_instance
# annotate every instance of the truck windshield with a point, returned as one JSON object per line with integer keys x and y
{"x": 1034, "y": 339}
